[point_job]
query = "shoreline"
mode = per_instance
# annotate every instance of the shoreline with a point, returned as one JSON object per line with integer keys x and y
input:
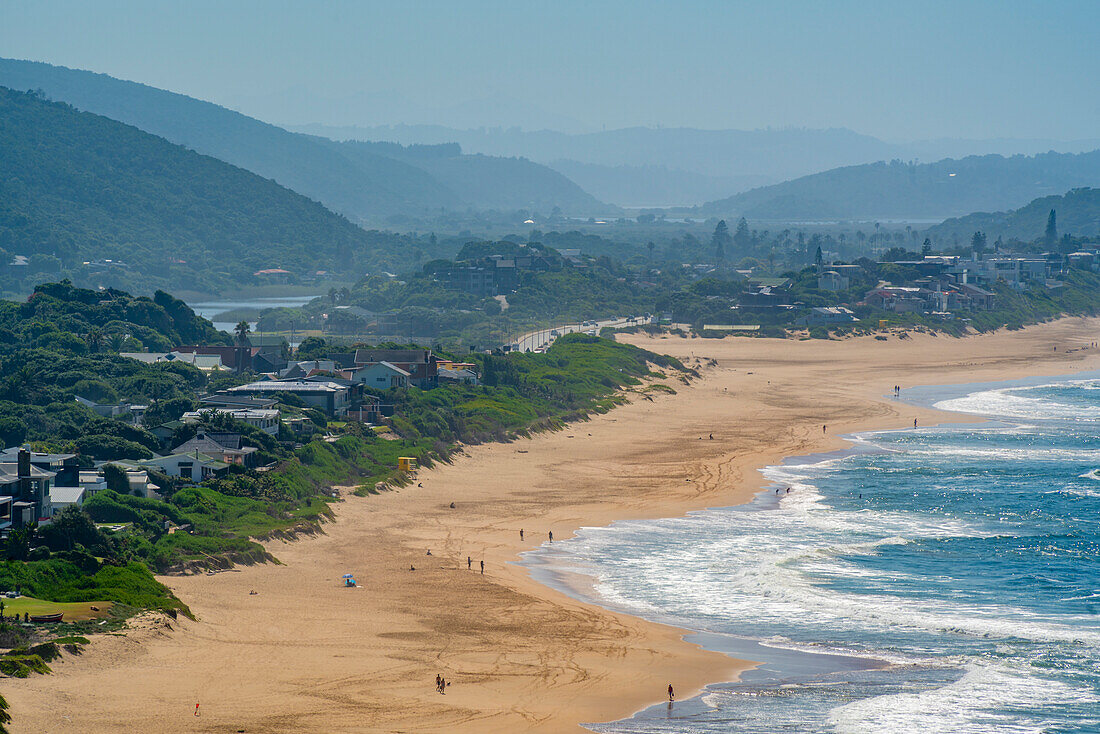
{"x": 304, "y": 654}
{"x": 778, "y": 662}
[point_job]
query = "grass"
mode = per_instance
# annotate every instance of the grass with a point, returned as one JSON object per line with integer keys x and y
{"x": 74, "y": 611}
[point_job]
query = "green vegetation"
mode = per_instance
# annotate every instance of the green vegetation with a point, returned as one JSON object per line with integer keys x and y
{"x": 80, "y": 188}
{"x": 1078, "y": 213}
{"x": 897, "y": 189}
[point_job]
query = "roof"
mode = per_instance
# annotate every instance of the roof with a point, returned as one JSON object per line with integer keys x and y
{"x": 272, "y": 271}
{"x": 66, "y": 495}
{"x": 369, "y": 356}
{"x": 241, "y": 413}
{"x": 288, "y": 386}
{"x": 9, "y": 471}
{"x": 198, "y": 456}
{"x": 12, "y": 454}
{"x": 210, "y": 443}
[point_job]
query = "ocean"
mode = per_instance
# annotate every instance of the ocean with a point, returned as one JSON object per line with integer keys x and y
{"x": 932, "y": 580}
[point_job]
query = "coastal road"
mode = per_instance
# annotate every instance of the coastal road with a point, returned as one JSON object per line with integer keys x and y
{"x": 544, "y": 337}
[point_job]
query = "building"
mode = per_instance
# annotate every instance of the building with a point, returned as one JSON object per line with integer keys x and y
{"x": 24, "y": 492}
{"x": 266, "y": 419}
{"x": 379, "y": 376}
{"x": 65, "y": 467}
{"x": 458, "y": 372}
{"x": 221, "y": 445}
{"x": 62, "y": 497}
{"x": 327, "y": 395}
{"x": 831, "y": 280}
{"x": 225, "y": 400}
{"x": 421, "y": 364}
{"x": 195, "y": 466}
{"x": 829, "y": 315}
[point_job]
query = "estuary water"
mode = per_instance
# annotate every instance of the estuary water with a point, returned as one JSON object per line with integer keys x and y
{"x": 931, "y": 580}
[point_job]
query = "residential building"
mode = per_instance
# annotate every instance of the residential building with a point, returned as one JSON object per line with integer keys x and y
{"x": 65, "y": 467}
{"x": 461, "y": 372}
{"x": 222, "y": 445}
{"x": 63, "y": 497}
{"x": 27, "y": 489}
{"x": 421, "y": 364}
{"x": 328, "y": 395}
{"x": 829, "y": 315}
{"x": 267, "y": 420}
{"x": 379, "y": 376}
{"x": 195, "y": 466}
{"x": 831, "y": 280}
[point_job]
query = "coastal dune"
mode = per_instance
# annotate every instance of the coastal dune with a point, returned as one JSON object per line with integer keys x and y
{"x": 305, "y": 654}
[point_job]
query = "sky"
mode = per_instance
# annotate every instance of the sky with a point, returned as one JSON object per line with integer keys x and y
{"x": 900, "y": 71}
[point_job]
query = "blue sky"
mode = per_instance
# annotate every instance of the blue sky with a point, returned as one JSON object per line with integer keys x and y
{"x": 897, "y": 70}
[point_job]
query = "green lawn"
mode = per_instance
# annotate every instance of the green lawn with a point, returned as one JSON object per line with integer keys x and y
{"x": 74, "y": 611}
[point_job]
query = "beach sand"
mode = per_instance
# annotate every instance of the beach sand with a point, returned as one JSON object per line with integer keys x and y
{"x": 305, "y": 654}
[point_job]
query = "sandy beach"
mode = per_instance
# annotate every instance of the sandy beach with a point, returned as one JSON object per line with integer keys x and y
{"x": 305, "y": 654}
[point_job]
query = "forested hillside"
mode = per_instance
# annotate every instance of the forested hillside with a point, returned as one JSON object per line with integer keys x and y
{"x": 354, "y": 181}
{"x": 923, "y": 191}
{"x": 1077, "y": 214}
{"x": 79, "y": 188}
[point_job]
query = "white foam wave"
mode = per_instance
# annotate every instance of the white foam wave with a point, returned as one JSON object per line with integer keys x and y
{"x": 985, "y": 700}
{"x": 1015, "y": 402}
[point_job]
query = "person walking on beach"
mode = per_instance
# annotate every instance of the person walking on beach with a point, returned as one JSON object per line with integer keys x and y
{"x": 823, "y": 429}
{"x": 469, "y": 563}
{"x": 551, "y": 536}
{"x": 521, "y": 534}
{"x": 671, "y": 694}
{"x": 914, "y": 423}
{"x": 438, "y": 681}
{"x": 483, "y": 568}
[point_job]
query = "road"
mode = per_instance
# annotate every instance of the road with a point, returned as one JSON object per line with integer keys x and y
{"x": 544, "y": 337}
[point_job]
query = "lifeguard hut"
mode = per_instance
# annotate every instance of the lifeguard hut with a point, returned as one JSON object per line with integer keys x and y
{"x": 883, "y": 324}
{"x": 406, "y": 463}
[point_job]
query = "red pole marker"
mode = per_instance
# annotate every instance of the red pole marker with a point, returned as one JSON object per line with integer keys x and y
{"x": 196, "y": 709}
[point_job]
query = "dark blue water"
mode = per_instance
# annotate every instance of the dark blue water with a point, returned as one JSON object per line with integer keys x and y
{"x": 964, "y": 560}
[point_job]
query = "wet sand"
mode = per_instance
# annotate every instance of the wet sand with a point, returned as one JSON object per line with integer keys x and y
{"x": 305, "y": 654}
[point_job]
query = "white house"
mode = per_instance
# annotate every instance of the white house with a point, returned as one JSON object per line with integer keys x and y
{"x": 195, "y": 466}
{"x": 266, "y": 419}
{"x": 62, "y": 497}
{"x": 381, "y": 376}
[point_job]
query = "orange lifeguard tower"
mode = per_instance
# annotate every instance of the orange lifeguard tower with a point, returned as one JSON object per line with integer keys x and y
{"x": 406, "y": 463}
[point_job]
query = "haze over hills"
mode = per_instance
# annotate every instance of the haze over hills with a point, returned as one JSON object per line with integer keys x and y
{"x": 358, "y": 183}
{"x": 926, "y": 191}
{"x": 79, "y": 188}
{"x": 1077, "y": 214}
{"x": 618, "y": 166}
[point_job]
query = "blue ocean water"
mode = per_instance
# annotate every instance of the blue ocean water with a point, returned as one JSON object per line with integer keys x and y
{"x": 934, "y": 580}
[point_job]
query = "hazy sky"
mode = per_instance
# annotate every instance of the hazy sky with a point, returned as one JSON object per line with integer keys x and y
{"x": 898, "y": 70}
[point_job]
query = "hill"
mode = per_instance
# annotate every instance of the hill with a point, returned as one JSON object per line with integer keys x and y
{"x": 899, "y": 190}
{"x": 358, "y": 183}
{"x": 1078, "y": 214}
{"x": 492, "y": 182}
{"x": 104, "y": 203}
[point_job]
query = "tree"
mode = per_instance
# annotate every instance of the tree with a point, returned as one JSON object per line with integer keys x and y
{"x": 742, "y": 237}
{"x": 819, "y": 259}
{"x": 1050, "y": 237}
{"x": 650, "y": 246}
{"x": 977, "y": 242}
{"x": 926, "y": 248}
{"x": 242, "y": 330}
{"x": 94, "y": 339}
{"x": 719, "y": 240}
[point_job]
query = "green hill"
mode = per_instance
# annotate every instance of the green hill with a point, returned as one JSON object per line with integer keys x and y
{"x": 899, "y": 190}
{"x": 354, "y": 180}
{"x": 1078, "y": 214}
{"x": 79, "y": 190}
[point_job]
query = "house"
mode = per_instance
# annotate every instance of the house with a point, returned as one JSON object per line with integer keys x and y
{"x": 460, "y": 372}
{"x": 371, "y": 410}
{"x": 380, "y": 376}
{"x": 225, "y": 400}
{"x": 195, "y": 466}
{"x": 980, "y": 298}
{"x": 330, "y": 396}
{"x": 421, "y": 364}
{"x": 266, "y": 419}
{"x": 238, "y": 358}
{"x": 273, "y": 275}
{"x": 165, "y": 431}
{"x": 831, "y": 280}
{"x": 105, "y": 411}
{"x": 27, "y": 492}
{"x": 827, "y": 315}
{"x": 899, "y": 299}
{"x": 221, "y": 445}
{"x": 62, "y": 497}
{"x": 65, "y": 467}
{"x": 307, "y": 368}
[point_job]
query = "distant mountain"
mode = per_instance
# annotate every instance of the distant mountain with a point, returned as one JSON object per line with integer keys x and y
{"x": 653, "y": 186}
{"x": 362, "y": 185}
{"x": 899, "y": 190}
{"x": 493, "y": 182}
{"x": 86, "y": 197}
{"x": 1077, "y": 213}
{"x": 776, "y": 154}
{"x": 714, "y": 156}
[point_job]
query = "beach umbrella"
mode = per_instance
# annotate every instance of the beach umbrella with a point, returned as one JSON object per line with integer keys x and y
{"x": 348, "y": 576}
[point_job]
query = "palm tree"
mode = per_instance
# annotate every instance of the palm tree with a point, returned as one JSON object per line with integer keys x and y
{"x": 94, "y": 338}
{"x": 242, "y": 330}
